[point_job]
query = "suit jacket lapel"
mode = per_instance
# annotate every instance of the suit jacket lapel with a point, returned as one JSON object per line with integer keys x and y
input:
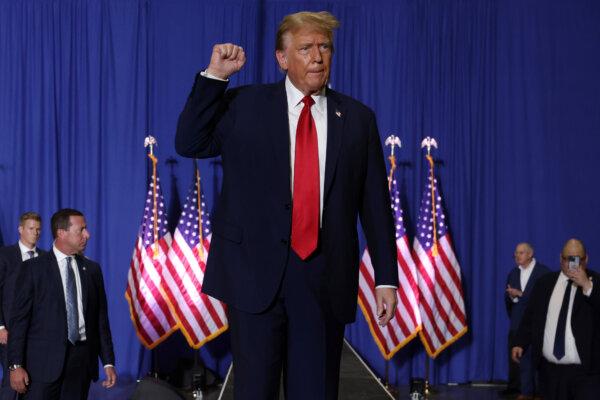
{"x": 17, "y": 257}
{"x": 336, "y": 114}
{"x": 279, "y": 131}
{"x": 57, "y": 284}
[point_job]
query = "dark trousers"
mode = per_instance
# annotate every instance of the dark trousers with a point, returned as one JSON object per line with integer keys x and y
{"x": 297, "y": 336}
{"x": 521, "y": 376}
{"x": 568, "y": 382}
{"x": 74, "y": 382}
{"x": 514, "y": 379}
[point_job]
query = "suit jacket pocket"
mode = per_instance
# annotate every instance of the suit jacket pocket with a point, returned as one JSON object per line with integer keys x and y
{"x": 228, "y": 231}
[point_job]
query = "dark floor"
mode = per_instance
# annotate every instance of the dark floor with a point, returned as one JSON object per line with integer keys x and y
{"x": 356, "y": 383}
{"x": 351, "y": 390}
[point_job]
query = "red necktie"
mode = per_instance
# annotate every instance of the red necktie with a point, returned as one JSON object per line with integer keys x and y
{"x": 305, "y": 210}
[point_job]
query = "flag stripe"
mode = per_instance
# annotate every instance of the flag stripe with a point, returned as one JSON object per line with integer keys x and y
{"x": 201, "y": 317}
{"x": 440, "y": 290}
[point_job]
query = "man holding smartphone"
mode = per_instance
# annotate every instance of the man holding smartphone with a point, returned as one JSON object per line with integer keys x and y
{"x": 562, "y": 326}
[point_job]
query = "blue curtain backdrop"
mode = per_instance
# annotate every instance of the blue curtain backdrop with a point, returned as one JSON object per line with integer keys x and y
{"x": 510, "y": 90}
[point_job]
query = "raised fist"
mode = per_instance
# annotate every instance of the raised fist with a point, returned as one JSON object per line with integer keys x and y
{"x": 226, "y": 60}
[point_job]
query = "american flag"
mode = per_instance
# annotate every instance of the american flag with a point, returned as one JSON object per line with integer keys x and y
{"x": 440, "y": 289}
{"x": 148, "y": 306}
{"x": 201, "y": 317}
{"x": 407, "y": 320}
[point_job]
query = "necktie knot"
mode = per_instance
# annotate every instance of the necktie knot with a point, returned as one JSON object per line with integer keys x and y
{"x": 31, "y": 254}
{"x": 308, "y": 101}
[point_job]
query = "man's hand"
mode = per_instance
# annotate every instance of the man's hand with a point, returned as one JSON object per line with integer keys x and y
{"x": 111, "y": 377}
{"x": 19, "y": 380}
{"x": 226, "y": 60}
{"x": 386, "y": 304}
{"x": 512, "y": 292}
{"x": 516, "y": 354}
{"x": 579, "y": 277}
{"x": 3, "y": 336}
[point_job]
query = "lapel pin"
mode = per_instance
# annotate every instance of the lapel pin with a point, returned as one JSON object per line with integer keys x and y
{"x": 338, "y": 113}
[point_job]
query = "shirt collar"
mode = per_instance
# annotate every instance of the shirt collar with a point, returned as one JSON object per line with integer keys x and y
{"x": 59, "y": 254}
{"x": 25, "y": 249}
{"x": 530, "y": 265}
{"x": 563, "y": 277}
{"x": 295, "y": 96}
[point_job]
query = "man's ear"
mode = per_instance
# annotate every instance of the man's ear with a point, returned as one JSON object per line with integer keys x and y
{"x": 20, "y": 229}
{"x": 281, "y": 59}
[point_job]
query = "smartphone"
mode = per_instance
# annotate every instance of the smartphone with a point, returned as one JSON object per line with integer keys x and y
{"x": 574, "y": 262}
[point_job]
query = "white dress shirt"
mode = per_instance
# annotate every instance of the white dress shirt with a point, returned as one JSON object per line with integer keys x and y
{"x": 525, "y": 274}
{"x": 319, "y": 114}
{"x": 62, "y": 266}
{"x": 24, "y": 252}
{"x": 571, "y": 355}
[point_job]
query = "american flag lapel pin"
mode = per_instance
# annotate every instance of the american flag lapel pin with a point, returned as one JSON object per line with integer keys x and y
{"x": 338, "y": 113}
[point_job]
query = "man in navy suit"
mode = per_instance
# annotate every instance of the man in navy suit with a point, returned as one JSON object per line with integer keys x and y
{"x": 11, "y": 257}
{"x": 59, "y": 319}
{"x": 301, "y": 164}
{"x": 519, "y": 285}
{"x": 561, "y": 325}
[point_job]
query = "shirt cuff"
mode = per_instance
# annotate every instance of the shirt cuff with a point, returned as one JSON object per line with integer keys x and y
{"x": 211, "y": 76}
{"x": 386, "y": 286}
{"x": 589, "y": 292}
{"x": 109, "y": 365}
{"x": 2, "y": 327}
{"x": 515, "y": 299}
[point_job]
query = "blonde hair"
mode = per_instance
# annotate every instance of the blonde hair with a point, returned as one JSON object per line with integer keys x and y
{"x": 29, "y": 215}
{"x": 321, "y": 21}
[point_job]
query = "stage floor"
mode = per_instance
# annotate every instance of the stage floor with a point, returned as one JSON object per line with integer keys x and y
{"x": 356, "y": 383}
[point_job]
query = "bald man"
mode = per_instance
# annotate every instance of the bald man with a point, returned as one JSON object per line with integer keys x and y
{"x": 519, "y": 285}
{"x": 562, "y": 326}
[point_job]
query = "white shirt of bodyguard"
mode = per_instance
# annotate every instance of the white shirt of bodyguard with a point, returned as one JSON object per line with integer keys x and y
{"x": 25, "y": 252}
{"x": 61, "y": 258}
{"x": 525, "y": 274}
{"x": 571, "y": 355}
{"x": 319, "y": 114}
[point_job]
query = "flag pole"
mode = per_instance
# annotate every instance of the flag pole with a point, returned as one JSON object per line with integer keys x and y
{"x": 428, "y": 143}
{"x": 150, "y": 141}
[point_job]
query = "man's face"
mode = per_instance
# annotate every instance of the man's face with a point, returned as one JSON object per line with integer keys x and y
{"x": 29, "y": 232}
{"x": 523, "y": 255}
{"x": 74, "y": 239}
{"x": 572, "y": 249}
{"x": 307, "y": 59}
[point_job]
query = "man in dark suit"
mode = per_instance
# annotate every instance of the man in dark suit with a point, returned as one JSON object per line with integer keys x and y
{"x": 59, "y": 319}
{"x": 562, "y": 326}
{"x": 11, "y": 257}
{"x": 301, "y": 163}
{"x": 519, "y": 285}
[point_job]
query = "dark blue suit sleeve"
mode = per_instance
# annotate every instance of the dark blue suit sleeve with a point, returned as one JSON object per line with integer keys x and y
{"x": 20, "y": 314}
{"x": 3, "y": 272}
{"x": 376, "y": 213}
{"x": 204, "y": 119}
{"x": 107, "y": 355}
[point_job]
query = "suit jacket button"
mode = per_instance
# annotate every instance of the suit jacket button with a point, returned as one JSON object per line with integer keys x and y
{"x": 288, "y": 206}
